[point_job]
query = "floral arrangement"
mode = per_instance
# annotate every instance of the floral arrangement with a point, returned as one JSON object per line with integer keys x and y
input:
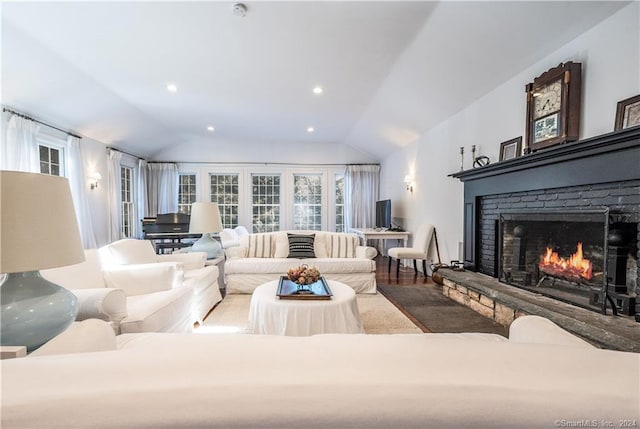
{"x": 303, "y": 275}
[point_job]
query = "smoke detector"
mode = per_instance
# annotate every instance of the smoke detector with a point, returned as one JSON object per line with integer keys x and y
{"x": 239, "y": 9}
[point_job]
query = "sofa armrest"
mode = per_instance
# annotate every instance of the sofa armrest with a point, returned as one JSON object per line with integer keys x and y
{"x": 536, "y": 329}
{"x": 142, "y": 279}
{"x": 103, "y": 303}
{"x": 236, "y": 252}
{"x": 190, "y": 260}
{"x": 366, "y": 252}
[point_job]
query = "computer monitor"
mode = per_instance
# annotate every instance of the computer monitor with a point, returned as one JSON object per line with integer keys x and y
{"x": 383, "y": 214}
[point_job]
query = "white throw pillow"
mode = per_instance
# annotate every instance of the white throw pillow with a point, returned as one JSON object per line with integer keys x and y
{"x": 259, "y": 245}
{"x": 131, "y": 251}
{"x": 144, "y": 279}
{"x": 342, "y": 245}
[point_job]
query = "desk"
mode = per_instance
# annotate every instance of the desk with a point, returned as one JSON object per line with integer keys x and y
{"x": 271, "y": 315}
{"x": 371, "y": 234}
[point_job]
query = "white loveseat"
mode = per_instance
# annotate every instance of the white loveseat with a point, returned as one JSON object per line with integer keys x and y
{"x": 263, "y": 257}
{"x": 541, "y": 377}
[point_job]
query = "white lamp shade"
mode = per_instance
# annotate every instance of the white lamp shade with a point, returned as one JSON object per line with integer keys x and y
{"x": 38, "y": 227}
{"x": 205, "y": 218}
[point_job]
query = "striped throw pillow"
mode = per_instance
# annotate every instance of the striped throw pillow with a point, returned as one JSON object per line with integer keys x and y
{"x": 259, "y": 246}
{"x": 342, "y": 246}
{"x": 301, "y": 246}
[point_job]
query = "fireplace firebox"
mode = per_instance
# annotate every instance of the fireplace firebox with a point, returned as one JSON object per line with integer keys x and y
{"x": 583, "y": 257}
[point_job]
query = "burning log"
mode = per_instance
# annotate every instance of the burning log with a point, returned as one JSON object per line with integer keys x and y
{"x": 575, "y": 269}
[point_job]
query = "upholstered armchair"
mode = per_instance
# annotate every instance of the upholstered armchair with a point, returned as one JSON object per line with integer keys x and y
{"x": 140, "y": 298}
{"x": 203, "y": 280}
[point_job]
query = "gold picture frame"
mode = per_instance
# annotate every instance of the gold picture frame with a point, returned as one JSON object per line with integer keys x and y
{"x": 628, "y": 113}
{"x": 511, "y": 149}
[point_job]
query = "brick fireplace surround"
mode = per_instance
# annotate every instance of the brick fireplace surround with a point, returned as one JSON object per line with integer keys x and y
{"x": 602, "y": 171}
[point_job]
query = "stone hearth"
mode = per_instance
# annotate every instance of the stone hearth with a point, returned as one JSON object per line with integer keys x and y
{"x": 503, "y": 303}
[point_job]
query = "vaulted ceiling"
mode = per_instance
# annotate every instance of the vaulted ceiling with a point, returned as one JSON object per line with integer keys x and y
{"x": 389, "y": 70}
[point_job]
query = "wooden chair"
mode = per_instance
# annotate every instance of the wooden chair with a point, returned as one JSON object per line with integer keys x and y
{"x": 419, "y": 250}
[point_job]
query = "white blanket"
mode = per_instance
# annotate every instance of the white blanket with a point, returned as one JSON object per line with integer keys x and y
{"x": 324, "y": 381}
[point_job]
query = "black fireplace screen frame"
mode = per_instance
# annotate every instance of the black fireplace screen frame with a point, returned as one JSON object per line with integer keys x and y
{"x": 559, "y": 215}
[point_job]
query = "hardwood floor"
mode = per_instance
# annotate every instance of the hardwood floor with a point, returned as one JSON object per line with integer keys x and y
{"x": 406, "y": 275}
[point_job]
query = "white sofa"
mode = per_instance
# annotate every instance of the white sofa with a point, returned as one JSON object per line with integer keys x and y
{"x": 138, "y": 291}
{"x": 541, "y": 377}
{"x": 263, "y": 257}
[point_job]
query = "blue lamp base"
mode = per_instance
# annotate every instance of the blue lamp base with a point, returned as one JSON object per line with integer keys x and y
{"x": 33, "y": 310}
{"x": 207, "y": 244}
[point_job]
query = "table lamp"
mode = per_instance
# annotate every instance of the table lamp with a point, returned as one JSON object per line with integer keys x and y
{"x": 205, "y": 219}
{"x": 38, "y": 230}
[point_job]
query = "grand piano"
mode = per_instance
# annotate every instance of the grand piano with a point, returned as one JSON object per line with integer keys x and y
{"x": 168, "y": 231}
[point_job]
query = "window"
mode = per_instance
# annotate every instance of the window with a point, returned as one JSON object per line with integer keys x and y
{"x": 186, "y": 192}
{"x": 339, "y": 189}
{"x": 128, "y": 210}
{"x": 224, "y": 191}
{"x": 265, "y": 202}
{"x": 50, "y": 160}
{"x": 307, "y": 201}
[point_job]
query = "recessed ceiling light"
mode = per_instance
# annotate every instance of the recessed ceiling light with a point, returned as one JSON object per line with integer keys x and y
{"x": 172, "y": 88}
{"x": 210, "y": 128}
{"x": 310, "y": 129}
{"x": 317, "y": 90}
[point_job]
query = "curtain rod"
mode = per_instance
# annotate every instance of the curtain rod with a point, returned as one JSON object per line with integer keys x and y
{"x": 22, "y": 115}
{"x": 267, "y": 163}
{"x": 125, "y": 152}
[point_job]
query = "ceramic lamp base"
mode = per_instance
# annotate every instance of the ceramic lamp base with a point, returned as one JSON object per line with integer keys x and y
{"x": 207, "y": 244}
{"x": 33, "y": 310}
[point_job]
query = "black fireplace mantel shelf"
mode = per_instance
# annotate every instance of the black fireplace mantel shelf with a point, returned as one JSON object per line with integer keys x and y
{"x": 606, "y": 143}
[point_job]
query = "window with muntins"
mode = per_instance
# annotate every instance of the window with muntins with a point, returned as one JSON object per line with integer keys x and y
{"x": 339, "y": 189}
{"x": 186, "y": 192}
{"x": 265, "y": 202}
{"x": 50, "y": 160}
{"x": 128, "y": 210}
{"x": 224, "y": 191}
{"x": 307, "y": 201}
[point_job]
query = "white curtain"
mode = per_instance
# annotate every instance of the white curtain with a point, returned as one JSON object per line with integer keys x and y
{"x": 361, "y": 191}
{"x": 113, "y": 195}
{"x": 142, "y": 205}
{"x": 19, "y": 145}
{"x": 78, "y": 183}
{"x": 162, "y": 188}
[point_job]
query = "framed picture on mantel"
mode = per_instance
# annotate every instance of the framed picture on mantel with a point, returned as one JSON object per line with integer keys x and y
{"x": 628, "y": 113}
{"x": 510, "y": 149}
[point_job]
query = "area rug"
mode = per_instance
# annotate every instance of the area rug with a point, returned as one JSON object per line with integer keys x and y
{"x": 378, "y": 315}
{"x": 434, "y": 312}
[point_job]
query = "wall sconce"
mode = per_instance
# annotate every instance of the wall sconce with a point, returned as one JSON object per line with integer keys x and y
{"x": 94, "y": 178}
{"x": 408, "y": 183}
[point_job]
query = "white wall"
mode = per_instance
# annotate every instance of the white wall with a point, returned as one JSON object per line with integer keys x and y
{"x": 283, "y": 153}
{"x": 95, "y": 155}
{"x": 610, "y": 57}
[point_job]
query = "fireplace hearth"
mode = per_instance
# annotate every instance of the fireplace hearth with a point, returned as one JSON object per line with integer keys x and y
{"x": 562, "y": 222}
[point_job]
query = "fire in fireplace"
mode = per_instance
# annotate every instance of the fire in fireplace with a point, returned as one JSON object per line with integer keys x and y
{"x": 574, "y": 269}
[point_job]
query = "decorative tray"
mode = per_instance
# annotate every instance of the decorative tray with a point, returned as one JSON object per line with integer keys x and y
{"x": 289, "y": 290}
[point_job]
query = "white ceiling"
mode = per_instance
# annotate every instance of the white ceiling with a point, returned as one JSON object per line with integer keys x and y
{"x": 391, "y": 70}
